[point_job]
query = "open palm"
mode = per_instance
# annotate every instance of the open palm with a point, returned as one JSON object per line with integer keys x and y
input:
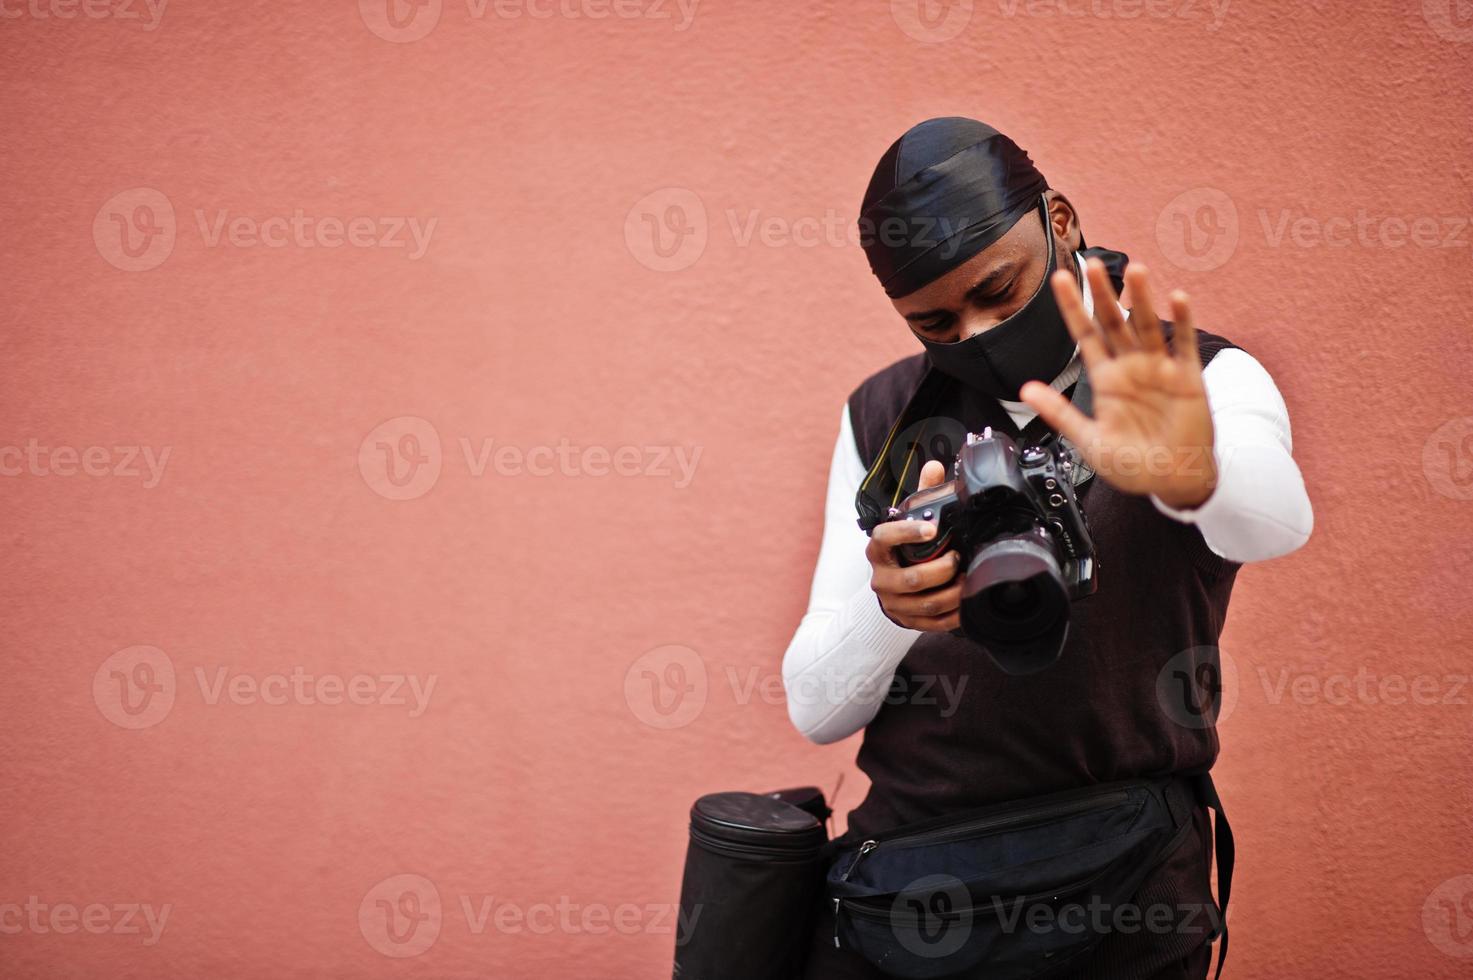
{"x": 1152, "y": 427}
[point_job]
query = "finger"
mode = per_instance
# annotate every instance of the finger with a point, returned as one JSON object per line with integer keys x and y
{"x": 1118, "y": 334}
{"x": 1185, "y": 337}
{"x": 921, "y": 577}
{"x": 932, "y": 474}
{"x": 1082, "y": 328}
{"x": 891, "y": 534}
{"x": 933, "y": 603}
{"x": 1062, "y": 416}
{"x": 1143, "y": 311}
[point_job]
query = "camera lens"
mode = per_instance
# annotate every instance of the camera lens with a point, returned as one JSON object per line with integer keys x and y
{"x": 1021, "y": 610}
{"x": 1015, "y": 603}
{"x": 1014, "y": 600}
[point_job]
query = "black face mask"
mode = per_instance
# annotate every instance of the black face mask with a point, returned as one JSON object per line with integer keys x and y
{"x": 1031, "y": 345}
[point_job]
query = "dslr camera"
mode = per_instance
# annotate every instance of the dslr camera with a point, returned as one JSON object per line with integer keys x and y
{"x": 1013, "y": 518}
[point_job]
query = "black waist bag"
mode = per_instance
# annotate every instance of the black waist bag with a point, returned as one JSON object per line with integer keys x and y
{"x": 753, "y": 877}
{"x": 1016, "y": 891}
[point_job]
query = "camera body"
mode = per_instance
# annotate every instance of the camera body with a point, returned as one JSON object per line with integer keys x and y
{"x": 1013, "y": 517}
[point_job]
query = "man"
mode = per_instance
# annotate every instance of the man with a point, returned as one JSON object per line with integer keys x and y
{"x": 1189, "y": 441}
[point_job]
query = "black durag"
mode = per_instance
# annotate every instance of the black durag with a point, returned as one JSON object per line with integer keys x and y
{"x": 941, "y": 194}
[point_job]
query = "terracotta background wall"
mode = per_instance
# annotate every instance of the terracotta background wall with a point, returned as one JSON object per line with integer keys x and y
{"x": 367, "y": 608}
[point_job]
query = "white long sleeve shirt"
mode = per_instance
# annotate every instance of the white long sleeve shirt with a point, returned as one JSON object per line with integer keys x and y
{"x": 841, "y": 660}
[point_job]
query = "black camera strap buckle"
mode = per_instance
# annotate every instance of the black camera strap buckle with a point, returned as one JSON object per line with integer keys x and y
{"x": 1037, "y": 432}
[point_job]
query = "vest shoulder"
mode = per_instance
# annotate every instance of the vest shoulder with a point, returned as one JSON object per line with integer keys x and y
{"x": 879, "y": 400}
{"x": 1209, "y": 345}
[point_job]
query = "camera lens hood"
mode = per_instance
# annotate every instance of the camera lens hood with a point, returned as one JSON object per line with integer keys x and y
{"x": 1015, "y": 604}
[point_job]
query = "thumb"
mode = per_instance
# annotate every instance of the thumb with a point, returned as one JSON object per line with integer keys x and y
{"x": 932, "y": 474}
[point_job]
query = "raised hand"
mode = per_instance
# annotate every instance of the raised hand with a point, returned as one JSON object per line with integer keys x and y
{"x": 1152, "y": 428}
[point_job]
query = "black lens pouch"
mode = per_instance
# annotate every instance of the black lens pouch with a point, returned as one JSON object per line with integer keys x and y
{"x": 753, "y": 877}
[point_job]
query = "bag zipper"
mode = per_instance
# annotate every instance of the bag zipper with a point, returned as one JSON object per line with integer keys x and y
{"x": 864, "y": 911}
{"x": 1016, "y": 818}
{"x": 736, "y": 849}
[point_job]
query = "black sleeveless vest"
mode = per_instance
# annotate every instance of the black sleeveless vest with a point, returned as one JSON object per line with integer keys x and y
{"x": 1121, "y": 702}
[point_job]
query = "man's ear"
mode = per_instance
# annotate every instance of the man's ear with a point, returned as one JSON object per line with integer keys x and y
{"x": 1064, "y": 220}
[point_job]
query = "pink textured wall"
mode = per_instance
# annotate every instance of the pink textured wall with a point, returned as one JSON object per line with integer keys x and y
{"x": 252, "y": 683}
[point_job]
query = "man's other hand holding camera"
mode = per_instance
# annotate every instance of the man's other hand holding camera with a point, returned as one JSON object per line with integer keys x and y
{"x": 926, "y": 596}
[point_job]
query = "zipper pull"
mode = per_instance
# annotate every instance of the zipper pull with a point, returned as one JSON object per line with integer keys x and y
{"x": 864, "y": 849}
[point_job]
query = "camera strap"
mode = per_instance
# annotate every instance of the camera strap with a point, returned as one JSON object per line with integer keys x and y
{"x": 1224, "y": 850}
{"x": 883, "y": 488}
{"x": 1038, "y": 433}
